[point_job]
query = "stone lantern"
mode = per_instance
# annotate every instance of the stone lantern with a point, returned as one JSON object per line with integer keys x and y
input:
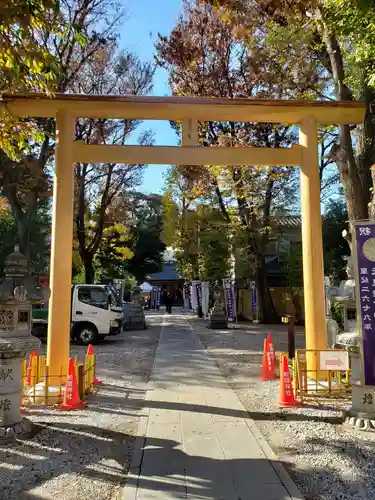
{"x": 17, "y": 290}
{"x": 218, "y": 318}
{"x": 136, "y": 319}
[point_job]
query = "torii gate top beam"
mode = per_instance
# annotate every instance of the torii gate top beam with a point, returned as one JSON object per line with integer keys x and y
{"x": 182, "y": 108}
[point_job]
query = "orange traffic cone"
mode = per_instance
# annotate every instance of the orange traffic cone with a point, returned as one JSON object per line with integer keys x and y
{"x": 72, "y": 401}
{"x": 90, "y": 352}
{"x": 287, "y": 399}
{"x": 33, "y": 354}
{"x": 272, "y": 349}
{"x": 268, "y": 367}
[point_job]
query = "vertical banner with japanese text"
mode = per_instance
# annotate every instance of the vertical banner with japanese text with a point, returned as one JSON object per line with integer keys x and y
{"x": 193, "y": 295}
{"x": 199, "y": 294}
{"x": 229, "y": 298}
{"x": 205, "y": 297}
{"x": 154, "y": 294}
{"x": 364, "y": 245}
{"x": 326, "y": 295}
{"x": 158, "y": 299}
{"x": 253, "y": 288}
{"x": 235, "y": 295}
{"x": 186, "y": 296}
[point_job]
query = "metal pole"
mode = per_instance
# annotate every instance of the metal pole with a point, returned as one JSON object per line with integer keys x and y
{"x": 291, "y": 338}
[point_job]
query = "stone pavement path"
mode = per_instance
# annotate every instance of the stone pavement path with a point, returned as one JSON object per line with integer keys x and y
{"x": 195, "y": 439}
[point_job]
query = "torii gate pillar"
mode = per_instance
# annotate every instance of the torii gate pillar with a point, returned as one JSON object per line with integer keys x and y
{"x": 58, "y": 345}
{"x": 312, "y": 243}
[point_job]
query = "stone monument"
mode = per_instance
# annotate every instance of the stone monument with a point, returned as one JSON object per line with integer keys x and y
{"x": 346, "y": 296}
{"x": 361, "y": 414}
{"x": 136, "y": 319}
{"x": 17, "y": 290}
{"x": 218, "y": 318}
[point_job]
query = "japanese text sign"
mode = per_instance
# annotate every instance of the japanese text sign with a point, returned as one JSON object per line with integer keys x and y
{"x": 199, "y": 293}
{"x": 365, "y": 290}
{"x": 253, "y": 297}
{"x": 229, "y": 298}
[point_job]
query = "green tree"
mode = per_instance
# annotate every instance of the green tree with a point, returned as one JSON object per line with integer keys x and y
{"x": 145, "y": 229}
{"x": 335, "y": 246}
{"x": 214, "y": 246}
{"x": 25, "y": 63}
{"x": 111, "y": 259}
{"x": 205, "y": 58}
{"x": 291, "y": 264}
{"x": 180, "y": 221}
{"x": 320, "y": 49}
{"x": 71, "y": 37}
{"x": 8, "y": 235}
{"x": 98, "y": 185}
{"x": 39, "y": 237}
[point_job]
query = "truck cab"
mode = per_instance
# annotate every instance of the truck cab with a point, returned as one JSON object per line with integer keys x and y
{"x": 96, "y": 312}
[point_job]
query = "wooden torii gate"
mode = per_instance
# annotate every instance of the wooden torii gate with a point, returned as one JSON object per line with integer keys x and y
{"x": 66, "y": 108}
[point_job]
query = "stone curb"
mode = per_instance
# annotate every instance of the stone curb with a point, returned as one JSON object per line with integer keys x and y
{"x": 280, "y": 470}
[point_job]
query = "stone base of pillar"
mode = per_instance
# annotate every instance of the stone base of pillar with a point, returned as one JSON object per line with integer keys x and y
{"x": 360, "y": 421}
{"x": 361, "y": 415}
{"x": 136, "y": 319}
{"x": 23, "y": 429}
{"x": 37, "y": 395}
{"x": 218, "y": 319}
{"x": 218, "y": 325}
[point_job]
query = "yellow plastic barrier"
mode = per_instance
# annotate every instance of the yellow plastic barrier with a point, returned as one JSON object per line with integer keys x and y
{"x": 334, "y": 363}
{"x": 36, "y": 389}
{"x": 89, "y": 373}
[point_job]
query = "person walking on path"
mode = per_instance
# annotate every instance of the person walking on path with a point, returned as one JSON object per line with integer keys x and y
{"x": 168, "y": 302}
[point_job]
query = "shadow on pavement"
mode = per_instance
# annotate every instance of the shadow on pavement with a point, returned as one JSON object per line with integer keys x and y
{"x": 169, "y": 472}
{"x": 110, "y": 458}
{"x": 110, "y": 404}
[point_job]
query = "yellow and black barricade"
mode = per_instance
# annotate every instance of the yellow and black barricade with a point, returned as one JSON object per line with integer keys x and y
{"x": 36, "y": 386}
{"x": 335, "y": 365}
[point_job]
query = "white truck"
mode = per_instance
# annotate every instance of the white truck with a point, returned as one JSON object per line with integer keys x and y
{"x": 97, "y": 312}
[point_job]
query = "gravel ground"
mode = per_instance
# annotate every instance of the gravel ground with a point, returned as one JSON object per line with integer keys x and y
{"x": 326, "y": 460}
{"x": 86, "y": 454}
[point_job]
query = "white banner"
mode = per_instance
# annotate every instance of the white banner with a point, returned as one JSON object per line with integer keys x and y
{"x": 194, "y": 297}
{"x": 186, "y": 295}
{"x": 327, "y": 298}
{"x": 205, "y": 296}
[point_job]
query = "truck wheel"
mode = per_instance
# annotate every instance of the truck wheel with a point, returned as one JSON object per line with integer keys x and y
{"x": 86, "y": 334}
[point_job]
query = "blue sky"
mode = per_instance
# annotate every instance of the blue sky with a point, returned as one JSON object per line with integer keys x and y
{"x": 144, "y": 20}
